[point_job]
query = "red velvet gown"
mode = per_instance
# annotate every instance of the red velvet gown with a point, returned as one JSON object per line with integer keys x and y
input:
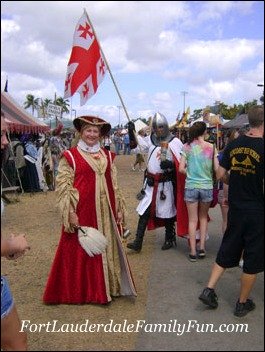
{"x": 75, "y": 277}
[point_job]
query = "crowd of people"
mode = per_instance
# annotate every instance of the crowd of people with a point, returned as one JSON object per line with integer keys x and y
{"x": 90, "y": 263}
{"x": 31, "y": 161}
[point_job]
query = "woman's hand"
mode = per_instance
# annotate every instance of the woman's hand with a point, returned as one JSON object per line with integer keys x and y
{"x": 73, "y": 219}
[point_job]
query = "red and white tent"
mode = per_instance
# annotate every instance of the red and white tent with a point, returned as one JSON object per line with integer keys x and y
{"x": 18, "y": 119}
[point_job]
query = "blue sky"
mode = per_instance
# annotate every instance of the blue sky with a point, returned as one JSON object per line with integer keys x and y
{"x": 214, "y": 51}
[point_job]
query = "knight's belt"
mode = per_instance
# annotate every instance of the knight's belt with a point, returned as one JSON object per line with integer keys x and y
{"x": 158, "y": 178}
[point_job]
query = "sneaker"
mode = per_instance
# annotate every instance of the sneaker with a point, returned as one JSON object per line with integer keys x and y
{"x": 201, "y": 253}
{"x": 208, "y": 297}
{"x": 133, "y": 168}
{"x": 192, "y": 258}
{"x": 242, "y": 309}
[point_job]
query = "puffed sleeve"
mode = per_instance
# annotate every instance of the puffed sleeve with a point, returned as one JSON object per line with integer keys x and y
{"x": 120, "y": 201}
{"x": 68, "y": 196}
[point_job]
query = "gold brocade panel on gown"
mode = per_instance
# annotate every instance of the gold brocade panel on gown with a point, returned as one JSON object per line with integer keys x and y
{"x": 111, "y": 260}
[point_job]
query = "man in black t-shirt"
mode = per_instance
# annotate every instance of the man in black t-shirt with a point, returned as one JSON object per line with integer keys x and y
{"x": 244, "y": 159}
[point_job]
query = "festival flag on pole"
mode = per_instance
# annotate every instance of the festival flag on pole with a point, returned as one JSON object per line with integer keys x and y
{"x": 86, "y": 67}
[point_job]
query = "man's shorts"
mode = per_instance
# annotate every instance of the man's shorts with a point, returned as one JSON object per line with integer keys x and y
{"x": 198, "y": 195}
{"x": 7, "y": 301}
{"x": 244, "y": 234}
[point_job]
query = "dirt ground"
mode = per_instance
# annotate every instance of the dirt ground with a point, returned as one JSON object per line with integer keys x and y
{"x": 36, "y": 215}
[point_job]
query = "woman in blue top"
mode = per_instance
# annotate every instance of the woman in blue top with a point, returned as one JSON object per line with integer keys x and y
{"x": 197, "y": 163}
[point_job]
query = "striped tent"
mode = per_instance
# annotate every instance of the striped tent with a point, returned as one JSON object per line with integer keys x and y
{"x": 18, "y": 119}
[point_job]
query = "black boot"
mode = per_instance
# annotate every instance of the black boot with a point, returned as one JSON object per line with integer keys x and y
{"x": 170, "y": 236}
{"x": 136, "y": 245}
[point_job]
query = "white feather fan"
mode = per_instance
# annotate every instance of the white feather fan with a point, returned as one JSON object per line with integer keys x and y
{"x": 91, "y": 240}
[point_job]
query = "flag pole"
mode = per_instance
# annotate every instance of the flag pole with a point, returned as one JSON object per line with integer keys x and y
{"x": 112, "y": 78}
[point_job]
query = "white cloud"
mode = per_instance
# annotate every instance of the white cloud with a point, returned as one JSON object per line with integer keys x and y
{"x": 9, "y": 28}
{"x": 171, "y": 46}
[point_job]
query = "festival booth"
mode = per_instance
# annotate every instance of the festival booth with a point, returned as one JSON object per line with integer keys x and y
{"x": 214, "y": 123}
{"x": 19, "y": 122}
{"x": 180, "y": 128}
{"x": 239, "y": 121}
{"x": 18, "y": 119}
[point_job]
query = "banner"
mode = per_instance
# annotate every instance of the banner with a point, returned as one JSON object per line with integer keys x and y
{"x": 86, "y": 67}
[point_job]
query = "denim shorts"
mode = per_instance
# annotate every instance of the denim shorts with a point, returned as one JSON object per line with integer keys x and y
{"x": 198, "y": 195}
{"x": 7, "y": 301}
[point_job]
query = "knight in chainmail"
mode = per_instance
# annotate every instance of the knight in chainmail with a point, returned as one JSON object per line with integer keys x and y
{"x": 157, "y": 198}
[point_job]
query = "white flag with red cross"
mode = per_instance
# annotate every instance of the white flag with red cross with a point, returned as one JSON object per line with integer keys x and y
{"x": 86, "y": 67}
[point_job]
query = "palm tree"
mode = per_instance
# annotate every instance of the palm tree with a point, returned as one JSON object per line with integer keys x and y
{"x": 44, "y": 105}
{"x": 31, "y": 102}
{"x": 46, "y": 102}
{"x": 64, "y": 103}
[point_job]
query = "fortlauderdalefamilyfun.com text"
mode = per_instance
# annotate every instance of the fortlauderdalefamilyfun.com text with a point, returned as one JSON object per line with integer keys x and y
{"x": 172, "y": 326}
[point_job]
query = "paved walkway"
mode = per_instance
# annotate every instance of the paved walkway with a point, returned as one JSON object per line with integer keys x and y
{"x": 174, "y": 287}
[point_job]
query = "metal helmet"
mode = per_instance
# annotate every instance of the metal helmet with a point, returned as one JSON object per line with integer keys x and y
{"x": 160, "y": 129}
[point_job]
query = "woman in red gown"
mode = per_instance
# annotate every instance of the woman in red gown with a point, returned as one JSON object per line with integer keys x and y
{"x": 89, "y": 196}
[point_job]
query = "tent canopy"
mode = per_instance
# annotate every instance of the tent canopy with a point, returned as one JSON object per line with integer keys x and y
{"x": 237, "y": 122}
{"x": 222, "y": 121}
{"x": 18, "y": 119}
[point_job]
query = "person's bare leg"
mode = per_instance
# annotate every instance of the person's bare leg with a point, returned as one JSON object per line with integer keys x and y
{"x": 203, "y": 218}
{"x": 217, "y": 272}
{"x": 192, "y": 208}
{"x": 134, "y": 165}
{"x": 224, "y": 211}
{"x": 11, "y": 337}
{"x": 247, "y": 283}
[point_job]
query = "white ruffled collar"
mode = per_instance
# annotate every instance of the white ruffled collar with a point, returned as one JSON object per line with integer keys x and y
{"x": 83, "y": 146}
